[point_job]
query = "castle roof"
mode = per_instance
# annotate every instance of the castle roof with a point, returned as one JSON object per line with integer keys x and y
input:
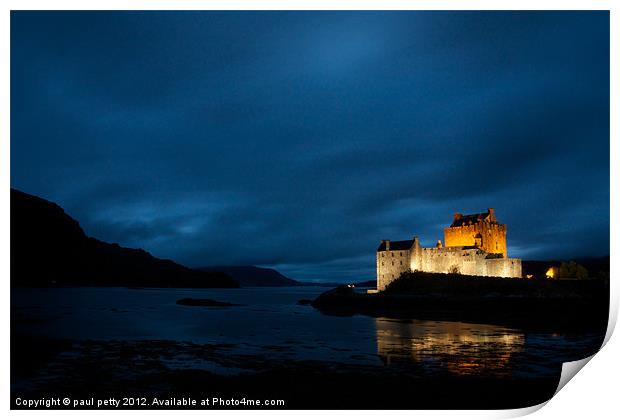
{"x": 396, "y": 245}
{"x": 470, "y": 219}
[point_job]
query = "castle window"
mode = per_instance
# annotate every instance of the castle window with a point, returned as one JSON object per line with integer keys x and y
{"x": 392, "y": 262}
{"x": 401, "y": 263}
{"x": 392, "y": 254}
{"x": 401, "y": 254}
{"x": 382, "y": 262}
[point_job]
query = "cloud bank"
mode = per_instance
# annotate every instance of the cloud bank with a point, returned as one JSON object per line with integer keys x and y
{"x": 298, "y": 140}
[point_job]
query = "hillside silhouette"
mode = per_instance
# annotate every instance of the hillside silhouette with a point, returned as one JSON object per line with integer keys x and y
{"x": 49, "y": 248}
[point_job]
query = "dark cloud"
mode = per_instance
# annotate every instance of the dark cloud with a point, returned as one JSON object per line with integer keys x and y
{"x": 298, "y": 140}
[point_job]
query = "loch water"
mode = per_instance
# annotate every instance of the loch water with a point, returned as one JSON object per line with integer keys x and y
{"x": 270, "y": 321}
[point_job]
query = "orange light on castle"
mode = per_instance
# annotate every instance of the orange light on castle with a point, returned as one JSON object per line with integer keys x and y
{"x": 551, "y": 273}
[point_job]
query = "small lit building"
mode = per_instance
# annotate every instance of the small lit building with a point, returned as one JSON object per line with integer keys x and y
{"x": 552, "y": 273}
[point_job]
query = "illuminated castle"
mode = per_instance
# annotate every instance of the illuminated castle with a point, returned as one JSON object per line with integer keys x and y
{"x": 475, "y": 244}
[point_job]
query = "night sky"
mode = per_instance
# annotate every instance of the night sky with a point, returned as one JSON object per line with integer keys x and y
{"x": 299, "y": 140}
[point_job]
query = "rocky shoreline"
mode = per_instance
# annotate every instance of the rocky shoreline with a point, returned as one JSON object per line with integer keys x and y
{"x": 167, "y": 369}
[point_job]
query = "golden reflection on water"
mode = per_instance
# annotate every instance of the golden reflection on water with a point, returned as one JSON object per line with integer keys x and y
{"x": 463, "y": 349}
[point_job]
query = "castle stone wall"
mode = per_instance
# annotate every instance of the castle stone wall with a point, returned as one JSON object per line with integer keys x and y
{"x": 446, "y": 260}
{"x": 503, "y": 267}
{"x": 472, "y": 262}
{"x": 390, "y": 265}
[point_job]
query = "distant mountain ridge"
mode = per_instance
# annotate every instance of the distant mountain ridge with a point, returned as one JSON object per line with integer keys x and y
{"x": 48, "y": 247}
{"x": 252, "y": 276}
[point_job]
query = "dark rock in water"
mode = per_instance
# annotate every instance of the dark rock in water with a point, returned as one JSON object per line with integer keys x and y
{"x": 49, "y": 248}
{"x": 304, "y": 301}
{"x": 203, "y": 302}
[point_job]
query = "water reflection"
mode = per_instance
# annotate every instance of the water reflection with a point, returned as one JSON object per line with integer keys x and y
{"x": 463, "y": 349}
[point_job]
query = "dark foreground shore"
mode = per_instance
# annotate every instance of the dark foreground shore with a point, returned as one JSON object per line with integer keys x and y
{"x": 146, "y": 370}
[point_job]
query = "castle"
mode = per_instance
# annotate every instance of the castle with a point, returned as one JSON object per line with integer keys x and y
{"x": 474, "y": 244}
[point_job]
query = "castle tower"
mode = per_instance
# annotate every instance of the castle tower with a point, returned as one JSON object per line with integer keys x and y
{"x": 477, "y": 230}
